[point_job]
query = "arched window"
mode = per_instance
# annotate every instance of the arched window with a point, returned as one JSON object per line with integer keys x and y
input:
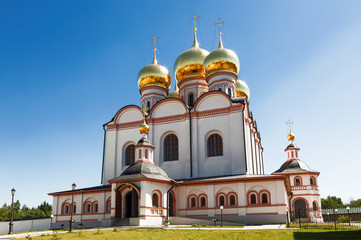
{"x": 298, "y": 182}
{"x": 221, "y": 201}
{"x": 148, "y": 105}
{"x": 214, "y": 145}
{"x": 312, "y": 181}
{"x": 74, "y": 208}
{"x": 314, "y": 206}
{"x": 146, "y": 153}
{"x": 203, "y": 202}
{"x": 229, "y": 93}
{"x": 66, "y": 209}
{"x": 108, "y": 206}
{"x": 190, "y": 100}
{"x": 171, "y": 148}
{"x": 264, "y": 198}
{"x": 95, "y": 207}
{"x": 129, "y": 155}
{"x": 87, "y": 208}
{"x": 155, "y": 200}
{"x": 253, "y": 199}
{"x": 193, "y": 202}
{"x": 232, "y": 200}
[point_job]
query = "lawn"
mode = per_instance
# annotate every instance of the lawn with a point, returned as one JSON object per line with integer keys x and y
{"x": 279, "y": 234}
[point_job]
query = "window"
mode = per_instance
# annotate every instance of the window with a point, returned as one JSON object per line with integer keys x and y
{"x": 129, "y": 155}
{"x": 148, "y": 105}
{"x": 95, "y": 207}
{"x": 155, "y": 200}
{"x": 193, "y": 202}
{"x": 264, "y": 198}
{"x": 146, "y": 154}
{"x": 109, "y": 205}
{"x": 87, "y": 208}
{"x": 314, "y": 206}
{"x": 219, "y": 89}
{"x": 214, "y": 145}
{"x": 66, "y": 209}
{"x": 203, "y": 201}
{"x": 253, "y": 199}
{"x": 229, "y": 93}
{"x": 232, "y": 200}
{"x": 171, "y": 148}
{"x": 312, "y": 181}
{"x": 140, "y": 153}
{"x": 74, "y": 208}
{"x": 297, "y": 182}
{"x": 190, "y": 100}
{"x": 221, "y": 200}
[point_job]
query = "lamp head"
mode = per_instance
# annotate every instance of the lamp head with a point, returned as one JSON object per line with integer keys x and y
{"x": 348, "y": 208}
{"x": 13, "y": 191}
{"x": 221, "y": 207}
{"x": 73, "y": 186}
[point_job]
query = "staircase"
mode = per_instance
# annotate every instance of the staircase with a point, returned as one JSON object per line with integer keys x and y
{"x": 122, "y": 222}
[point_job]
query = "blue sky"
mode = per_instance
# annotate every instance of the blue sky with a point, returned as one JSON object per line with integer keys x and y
{"x": 66, "y": 67}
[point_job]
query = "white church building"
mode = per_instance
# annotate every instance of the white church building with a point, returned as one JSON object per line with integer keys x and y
{"x": 190, "y": 155}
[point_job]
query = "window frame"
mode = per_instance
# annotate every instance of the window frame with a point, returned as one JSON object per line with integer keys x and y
{"x": 214, "y": 145}
{"x": 171, "y": 144}
{"x": 129, "y": 153}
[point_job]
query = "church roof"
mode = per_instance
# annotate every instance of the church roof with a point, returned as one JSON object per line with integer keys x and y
{"x": 143, "y": 170}
{"x": 96, "y": 188}
{"x": 294, "y": 166}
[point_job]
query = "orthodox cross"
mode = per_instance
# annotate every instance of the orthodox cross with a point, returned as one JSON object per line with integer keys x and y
{"x": 219, "y": 25}
{"x": 145, "y": 110}
{"x": 154, "y": 39}
{"x": 194, "y": 19}
{"x": 289, "y": 123}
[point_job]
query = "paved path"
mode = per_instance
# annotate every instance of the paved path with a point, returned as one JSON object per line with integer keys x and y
{"x": 36, "y": 234}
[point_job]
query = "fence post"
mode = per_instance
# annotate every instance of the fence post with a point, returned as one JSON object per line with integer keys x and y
{"x": 299, "y": 217}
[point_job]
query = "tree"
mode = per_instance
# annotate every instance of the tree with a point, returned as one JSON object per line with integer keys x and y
{"x": 355, "y": 203}
{"x": 332, "y": 202}
{"x": 24, "y": 212}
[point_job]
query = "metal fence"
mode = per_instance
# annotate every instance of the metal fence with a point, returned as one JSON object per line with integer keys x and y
{"x": 342, "y": 218}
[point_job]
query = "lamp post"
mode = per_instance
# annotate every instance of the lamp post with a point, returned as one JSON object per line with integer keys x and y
{"x": 12, "y": 211}
{"x": 221, "y": 207}
{"x": 348, "y": 213}
{"x": 334, "y": 217}
{"x": 73, "y": 186}
{"x": 51, "y": 221}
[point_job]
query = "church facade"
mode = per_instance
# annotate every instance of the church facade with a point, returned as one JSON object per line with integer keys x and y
{"x": 190, "y": 155}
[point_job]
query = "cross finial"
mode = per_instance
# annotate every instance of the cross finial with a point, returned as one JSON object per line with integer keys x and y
{"x": 194, "y": 19}
{"x": 289, "y": 123}
{"x": 219, "y": 26}
{"x": 145, "y": 110}
{"x": 154, "y": 39}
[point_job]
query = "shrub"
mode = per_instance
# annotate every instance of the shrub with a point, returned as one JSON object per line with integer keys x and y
{"x": 343, "y": 219}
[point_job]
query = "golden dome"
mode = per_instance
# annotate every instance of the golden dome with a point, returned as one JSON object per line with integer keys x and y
{"x": 242, "y": 89}
{"x": 290, "y": 136}
{"x": 190, "y": 62}
{"x": 175, "y": 93}
{"x": 154, "y": 75}
{"x": 144, "y": 128}
{"x": 221, "y": 59}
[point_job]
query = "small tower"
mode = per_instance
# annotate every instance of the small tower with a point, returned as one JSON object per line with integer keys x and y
{"x": 189, "y": 73}
{"x": 144, "y": 149}
{"x": 221, "y": 67}
{"x": 153, "y": 81}
{"x": 305, "y": 201}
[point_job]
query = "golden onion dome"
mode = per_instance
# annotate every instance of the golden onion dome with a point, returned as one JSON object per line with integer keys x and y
{"x": 175, "y": 93}
{"x": 290, "y": 136}
{"x": 144, "y": 128}
{"x": 190, "y": 62}
{"x": 154, "y": 75}
{"x": 221, "y": 60}
{"x": 242, "y": 89}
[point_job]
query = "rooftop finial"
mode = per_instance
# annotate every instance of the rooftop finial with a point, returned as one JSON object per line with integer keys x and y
{"x": 290, "y": 136}
{"x": 154, "y": 39}
{"x": 194, "y": 19}
{"x": 144, "y": 128}
{"x": 220, "y": 44}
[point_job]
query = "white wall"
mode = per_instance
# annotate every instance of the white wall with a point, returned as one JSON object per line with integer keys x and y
{"x": 26, "y": 226}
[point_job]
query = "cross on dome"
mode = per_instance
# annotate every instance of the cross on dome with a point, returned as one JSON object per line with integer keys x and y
{"x": 219, "y": 26}
{"x": 154, "y": 39}
{"x": 194, "y": 19}
{"x": 290, "y": 136}
{"x": 289, "y": 123}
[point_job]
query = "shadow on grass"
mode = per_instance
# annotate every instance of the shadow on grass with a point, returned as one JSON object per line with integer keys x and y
{"x": 329, "y": 235}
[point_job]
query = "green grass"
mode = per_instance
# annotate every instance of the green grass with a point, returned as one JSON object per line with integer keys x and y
{"x": 178, "y": 234}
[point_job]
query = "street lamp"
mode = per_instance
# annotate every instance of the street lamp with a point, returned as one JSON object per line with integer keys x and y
{"x": 348, "y": 213}
{"x": 12, "y": 211}
{"x": 221, "y": 207}
{"x": 73, "y": 186}
{"x": 51, "y": 221}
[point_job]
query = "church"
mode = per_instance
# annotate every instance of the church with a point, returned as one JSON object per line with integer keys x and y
{"x": 190, "y": 155}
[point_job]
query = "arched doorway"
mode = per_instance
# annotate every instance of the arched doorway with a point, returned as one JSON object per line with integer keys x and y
{"x": 300, "y": 208}
{"x": 131, "y": 204}
{"x": 171, "y": 205}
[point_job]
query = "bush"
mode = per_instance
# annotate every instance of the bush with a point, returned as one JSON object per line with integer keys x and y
{"x": 344, "y": 219}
